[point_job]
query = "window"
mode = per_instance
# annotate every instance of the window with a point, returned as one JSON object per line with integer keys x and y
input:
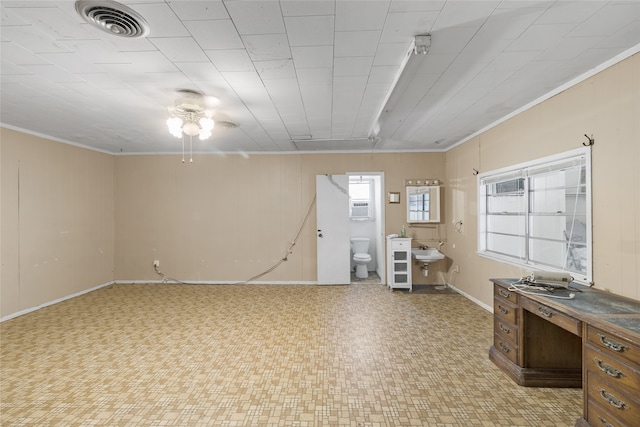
{"x": 538, "y": 215}
{"x": 360, "y": 198}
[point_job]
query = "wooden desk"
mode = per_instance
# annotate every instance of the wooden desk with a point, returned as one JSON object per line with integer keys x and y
{"x": 591, "y": 341}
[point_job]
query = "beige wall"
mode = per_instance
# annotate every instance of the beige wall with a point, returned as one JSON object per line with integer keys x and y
{"x": 606, "y": 106}
{"x": 229, "y": 218}
{"x": 73, "y": 219}
{"x": 57, "y": 221}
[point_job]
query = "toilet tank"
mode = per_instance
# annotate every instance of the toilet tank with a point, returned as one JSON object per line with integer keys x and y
{"x": 360, "y": 245}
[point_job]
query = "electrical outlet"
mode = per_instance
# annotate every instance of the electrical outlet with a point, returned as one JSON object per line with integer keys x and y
{"x": 456, "y": 269}
{"x": 156, "y": 263}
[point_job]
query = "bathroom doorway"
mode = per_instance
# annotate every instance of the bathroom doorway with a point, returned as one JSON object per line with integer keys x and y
{"x": 366, "y": 220}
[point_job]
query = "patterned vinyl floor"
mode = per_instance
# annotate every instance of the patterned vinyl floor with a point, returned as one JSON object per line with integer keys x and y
{"x": 263, "y": 355}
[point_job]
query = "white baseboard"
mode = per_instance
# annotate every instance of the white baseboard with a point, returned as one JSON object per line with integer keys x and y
{"x": 475, "y": 300}
{"x": 56, "y": 301}
{"x": 211, "y": 282}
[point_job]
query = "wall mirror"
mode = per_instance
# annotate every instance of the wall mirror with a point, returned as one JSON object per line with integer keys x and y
{"x": 423, "y": 203}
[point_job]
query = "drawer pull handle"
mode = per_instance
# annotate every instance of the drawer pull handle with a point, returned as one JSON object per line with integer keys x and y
{"x": 608, "y": 369}
{"x": 544, "y": 311}
{"x": 502, "y": 309}
{"x": 612, "y": 345}
{"x": 504, "y": 328}
{"x": 604, "y": 422}
{"x": 504, "y": 293}
{"x": 504, "y": 348}
{"x": 612, "y": 400}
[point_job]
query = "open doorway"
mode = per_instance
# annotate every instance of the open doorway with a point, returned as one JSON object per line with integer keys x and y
{"x": 366, "y": 221}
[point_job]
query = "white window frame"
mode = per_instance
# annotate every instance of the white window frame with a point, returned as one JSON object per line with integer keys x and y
{"x": 352, "y": 202}
{"x": 523, "y": 234}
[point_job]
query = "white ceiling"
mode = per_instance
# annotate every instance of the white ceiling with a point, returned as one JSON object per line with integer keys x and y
{"x": 299, "y": 75}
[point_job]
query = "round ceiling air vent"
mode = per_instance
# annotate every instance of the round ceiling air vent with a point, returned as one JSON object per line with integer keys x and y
{"x": 113, "y": 18}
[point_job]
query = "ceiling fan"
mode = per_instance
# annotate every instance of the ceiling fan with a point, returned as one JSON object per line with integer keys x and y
{"x": 192, "y": 115}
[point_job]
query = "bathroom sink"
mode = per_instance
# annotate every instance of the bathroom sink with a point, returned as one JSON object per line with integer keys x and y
{"x": 426, "y": 255}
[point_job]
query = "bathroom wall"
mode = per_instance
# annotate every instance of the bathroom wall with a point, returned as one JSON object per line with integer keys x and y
{"x": 606, "y": 106}
{"x": 57, "y": 221}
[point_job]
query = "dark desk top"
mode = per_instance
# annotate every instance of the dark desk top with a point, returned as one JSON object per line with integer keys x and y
{"x": 600, "y": 308}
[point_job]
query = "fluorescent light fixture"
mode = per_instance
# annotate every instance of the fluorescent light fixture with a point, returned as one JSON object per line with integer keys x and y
{"x": 419, "y": 46}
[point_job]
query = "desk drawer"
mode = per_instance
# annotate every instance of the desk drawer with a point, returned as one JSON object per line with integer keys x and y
{"x": 614, "y": 403}
{"x": 567, "y": 323}
{"x": 506, "y": 347}
{"x": 598, "y": 416}
{"x": 610, "y": 369}
{"x": 504, "y": 310}
{"x": 614, "y": 346}
{"x": 505, "y": 294}
{"x": 506, "y": 329}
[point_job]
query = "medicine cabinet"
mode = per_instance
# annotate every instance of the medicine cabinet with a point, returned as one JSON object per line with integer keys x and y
{"x": 423, "y": 203}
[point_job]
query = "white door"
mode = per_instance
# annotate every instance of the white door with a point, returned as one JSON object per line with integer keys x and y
{"x": 333, "y": 241}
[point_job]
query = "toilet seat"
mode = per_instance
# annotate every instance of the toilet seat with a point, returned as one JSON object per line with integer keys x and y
{"x": 362, "y": 257}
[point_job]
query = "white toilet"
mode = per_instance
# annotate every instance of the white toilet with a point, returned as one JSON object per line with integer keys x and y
{"x": 360, "y": 248}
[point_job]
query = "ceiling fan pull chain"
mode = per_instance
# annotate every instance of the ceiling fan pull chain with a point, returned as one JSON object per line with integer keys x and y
{"x": 183, "y": 148}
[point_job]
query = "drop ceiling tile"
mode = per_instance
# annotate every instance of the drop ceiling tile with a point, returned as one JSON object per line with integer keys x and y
{"x": 242, "y": 78}
{"x": 312, "y": 56}
{"x": 569, "y": 12}
{"x": 415, "y": 6}
{"x": 33, "y": 40}
{"x": 450, "y": 40}
{"x": 199, "y": 71}
{"x": 608, "y": 20}
{"x": 217, "y": 34}
{"x": 357, "y": 66}
{"x": 279, "y": 69}
{"x": 479, "y": 51}
{"x": 508, "y": 24}
{"x": 256, "y": 17}
{"x": 540, "y": 37}
{"x": 55, "y": 22}
{"x": 356, "y": 43}
{"x": 391, "y": 54}
{"x": 71, "y": 62}
{"x": 307, "y": 7}
{"x": 317, "y": 102}
{"x": 310, "y": 30}
{"x": 464, "y": 13}
{"x": 347, "y": 94}
{"x": 361, "y": 15}
{"x": 315, "y": 76}
{"x": 179, "y": 49}
{"x": 7, "y": 69}
{"x": 619, "y": 39}
{"x": 199, "y": 10}
{"x": 11, "y": 17}
{"x": 17, "y": 55}
{"x": 383, "y": 74}
{"x": 162, "y": 21}
{"x": 403, "y": 27}
{"x": 569, "y": 47}
{"x": 267, "y": 47}
{"x": 230, "y": 60}
{"x": 52, "y": 73}
{"x": 103, "y": 81}
{"x": 512, "y": 61}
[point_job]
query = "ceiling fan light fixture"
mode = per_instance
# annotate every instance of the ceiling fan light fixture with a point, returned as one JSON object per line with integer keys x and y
{"x": 175, "y": 126}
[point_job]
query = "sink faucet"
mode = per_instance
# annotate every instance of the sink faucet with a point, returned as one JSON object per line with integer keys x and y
{"x": 424, "y": 247}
